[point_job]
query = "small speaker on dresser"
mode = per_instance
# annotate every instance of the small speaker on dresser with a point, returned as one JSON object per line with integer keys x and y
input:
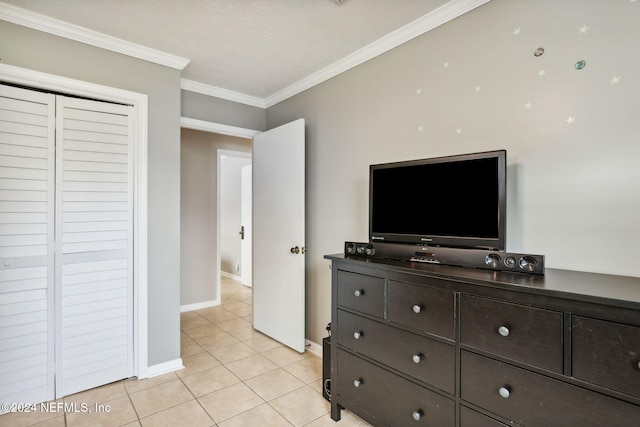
{"x": 359, "y": 249}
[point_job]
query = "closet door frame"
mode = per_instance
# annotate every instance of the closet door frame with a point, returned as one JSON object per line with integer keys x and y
{"x": 39, "y": 80}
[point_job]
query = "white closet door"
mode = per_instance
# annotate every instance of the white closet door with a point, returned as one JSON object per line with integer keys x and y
{"x": 94, "y": 235}
{"x": 26, "y": 245}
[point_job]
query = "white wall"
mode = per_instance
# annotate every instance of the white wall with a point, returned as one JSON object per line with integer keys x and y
{"x": 230, "y": 209}
{"x": 573, "y": 187}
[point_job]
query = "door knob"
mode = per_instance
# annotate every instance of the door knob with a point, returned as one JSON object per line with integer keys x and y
{"x": 295, "y": 250}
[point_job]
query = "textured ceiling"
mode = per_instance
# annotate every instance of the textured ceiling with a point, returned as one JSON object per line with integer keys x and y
{"x": 253, "y": 47}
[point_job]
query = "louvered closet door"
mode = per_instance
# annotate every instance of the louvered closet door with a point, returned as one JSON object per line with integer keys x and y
{"x": 94, "y": 237}
{"x": 26, "y": 245}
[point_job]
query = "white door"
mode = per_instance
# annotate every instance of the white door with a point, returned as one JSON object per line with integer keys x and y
{"x": 94, "y": 244}
{"x": 27, "y": 163}
{"x": 279, "y": 234}
{"x": 246, "y": 231}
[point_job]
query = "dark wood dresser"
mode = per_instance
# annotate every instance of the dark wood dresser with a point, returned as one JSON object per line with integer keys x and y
{"x": 433, "y": 345}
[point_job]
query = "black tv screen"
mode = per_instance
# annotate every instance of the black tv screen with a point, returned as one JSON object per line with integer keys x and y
{"x": 455, "y": 201}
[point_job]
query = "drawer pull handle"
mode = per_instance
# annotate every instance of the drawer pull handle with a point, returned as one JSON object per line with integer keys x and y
{"x": 357, "y": 383}
{"x": 504, "y": 392}
{"x": 417, "y": 358}
{"x": 639, "y": 364}
{"x": 358, "y": 334}
{"x": 504, "y": 331}
{"x": 358, "y": 292}
{"x": 417, "y": 308}
{"x": 417, "y": 415}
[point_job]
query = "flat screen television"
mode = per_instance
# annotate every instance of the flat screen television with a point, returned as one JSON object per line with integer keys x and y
{"x": 454, "y": 201}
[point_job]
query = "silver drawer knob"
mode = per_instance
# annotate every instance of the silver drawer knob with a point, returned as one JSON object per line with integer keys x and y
{"x": 417, "y": 415}
{"x": 504, "y": 392}
{"x": 417, "y": 308}
{"x": 639, "y": 364}
{"x": 357, "y": 383}
{"x": 417, "y": 357}
{"x": 504, "y": 331}
{"x": 358, "y": 334}
{"x": 358, "y": 292}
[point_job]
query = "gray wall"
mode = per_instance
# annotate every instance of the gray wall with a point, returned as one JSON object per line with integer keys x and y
{"x": 31, "y": 49}
{"x": 210, "y": 109}
{"x": 198, "y": 207}
{"x": 573, "y": 189}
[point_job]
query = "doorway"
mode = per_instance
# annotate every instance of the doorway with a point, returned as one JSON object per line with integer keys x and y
{"x": 275, "y": 145}
{"x": 200, "y": 224}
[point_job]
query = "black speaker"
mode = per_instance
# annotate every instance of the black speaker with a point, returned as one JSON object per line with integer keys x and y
{"x": 359, "y": 249}
{"x": 471, "y": 258}
{"x": 326, "y": 368}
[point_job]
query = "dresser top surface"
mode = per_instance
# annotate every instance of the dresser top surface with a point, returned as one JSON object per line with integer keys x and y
{"x": 608, "y": 289}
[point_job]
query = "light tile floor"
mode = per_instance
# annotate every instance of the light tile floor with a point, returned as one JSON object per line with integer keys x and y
{"x": 233, "y": 376}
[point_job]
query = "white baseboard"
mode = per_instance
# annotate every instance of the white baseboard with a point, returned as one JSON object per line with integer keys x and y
{"x": 314, "y": 348}
{"x": 165, "y": 368}
{"x": 231, "y": 276}
{"x": 199, "y": 305}
{"x": 236, "y": 278}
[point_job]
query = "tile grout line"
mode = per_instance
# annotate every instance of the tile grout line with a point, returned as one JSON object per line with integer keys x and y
{"x": 199, "y": 403}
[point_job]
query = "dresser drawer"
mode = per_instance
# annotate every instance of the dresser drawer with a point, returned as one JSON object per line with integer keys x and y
{"x": 525, "y": 334}
{"x": 362, "y": 293}
{"x": 606, "y": 354}
{"x": 391, "y": 399}
{"x": 471, "y": 418}
{"x": 425, "y": 359}
{"x": 531, "y": 399}
{"x": 427, "y": 309}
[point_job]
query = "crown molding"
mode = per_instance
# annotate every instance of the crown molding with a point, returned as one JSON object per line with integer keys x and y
{"x": 428, "y": 22}
{"x": 50, "y": 25}
{"x": 439, "y": 16}
{"x": 434, "y": 19}
{"x": 218, "y": 92}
